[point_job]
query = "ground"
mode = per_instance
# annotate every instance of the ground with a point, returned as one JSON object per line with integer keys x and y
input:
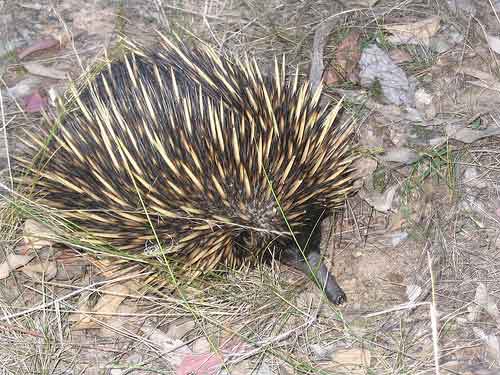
{"x": 416, "y": 250}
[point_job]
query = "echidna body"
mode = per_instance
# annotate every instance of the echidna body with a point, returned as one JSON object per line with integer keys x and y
{"x": 201, "y": 152}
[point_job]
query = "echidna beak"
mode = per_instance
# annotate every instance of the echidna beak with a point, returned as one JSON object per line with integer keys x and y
{"x": 325, "y": 280}
{"x": 317, "y": 271}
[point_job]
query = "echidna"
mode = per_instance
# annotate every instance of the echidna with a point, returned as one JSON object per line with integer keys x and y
{"x": 200, "y": 152}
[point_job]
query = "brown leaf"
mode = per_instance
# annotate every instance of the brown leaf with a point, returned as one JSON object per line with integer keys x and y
{"x": 24, "y": 87}
{"x": 414, "y": 33}
{"x": 44, "y": 71}
{"x": 346, "y": 60}
{"x": 37, "y": 235}
{"x": 400, "y": 155}
{"x": 177, "y": 330}
{"x": 491, "y": 341}
{"x": 380, "y": 202}
{"x": 107, "y": 304}
{"x": 353, "y": 356}
{"x": 47, "y": 269}
{"x": 12, "y": 262}
{"x": 467, "y": 135}
{"x": 174, "y": 349}
{"x": 200, "y": 364}
{"x": 399, "y": 56}
{"x": 356, "y": 360}
{"x": 34, "y": 102}
{"x": 487, "y": 80}
{"x": 37, "y": 46}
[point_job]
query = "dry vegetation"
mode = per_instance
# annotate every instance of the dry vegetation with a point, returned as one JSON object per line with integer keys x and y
{"x": 417, "y": 250}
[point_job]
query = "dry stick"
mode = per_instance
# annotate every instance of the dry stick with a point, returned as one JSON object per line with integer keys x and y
{"x": 21, "y": 330}
{"x": 434, "y": 318}
{"x": 358, "y": 230}
{"x": 494, "y": 11}
{"x": 320, "y": 39}
{"x": 368, "y": 226}
{"x": 4, "y": 127}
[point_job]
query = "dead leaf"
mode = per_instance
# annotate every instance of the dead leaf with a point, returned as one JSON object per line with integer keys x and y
{"x": 36, "y": 271}
{"x": 380, "y": 202}
{"x": 174, "y": 349}
{"x": 201, "y": 345}
{"x": 465, "y": 368}
{"x": 476, "y": 73}
{"x": 494, "y": 43}
{"x": 37, "y": 235}
{"x": 246, "y": 367}
{"x": 354, "y": 360}
{"x": 200, "y": 364}
{"x": 24, "y": 87}
{"x": 466, "y": 6}
{"x": 399, "y": 56}
{"x": 54, "y": 96}
{"x": 37, "y": 46}
{"x": 44, "y": 71}
{"x": 322, "y": 352}
{"x": 113, "y": 296}
{"x": 468, "y": 135}
{"x": 122, "y": 319}
{"x": 484, "y": 299}
{"x": 396, "y": 222}
{"x": 34, "y": 5}
{"x": 424, "y": 103}
{"x": 474, "y": 179}
{"x": 12, "y": 262}
{"x": 487, "y": 80}
{"x": 346, "y": 60}
{"x": 177, "y": 331}
{"x": 34, "y": 103}
{"x": 400, "y": 155}
{"x": 414, "y": 33}
{"x": 491, "y": 342}
{"x": 353, "y": 356}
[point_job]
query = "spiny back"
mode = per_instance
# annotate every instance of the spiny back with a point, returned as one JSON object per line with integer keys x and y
{"x": 199, "y": 146}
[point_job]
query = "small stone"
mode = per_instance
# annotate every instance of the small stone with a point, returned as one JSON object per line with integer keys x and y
{"x": 424, "y": 104}
{"x": 177, "y": 330}
{"x": 201, "y": 346}
{"x": 472, "y": 178}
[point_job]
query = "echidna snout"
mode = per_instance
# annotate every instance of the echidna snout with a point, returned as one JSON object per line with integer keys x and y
{"x": 325, "y": 280}
{"x": 313, "y": 266}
